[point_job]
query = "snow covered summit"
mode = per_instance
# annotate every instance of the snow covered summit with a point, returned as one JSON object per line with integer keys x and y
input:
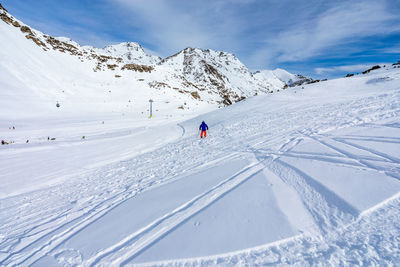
{"x": 130, "y": 52}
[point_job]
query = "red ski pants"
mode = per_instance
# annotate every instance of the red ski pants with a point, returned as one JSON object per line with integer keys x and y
{"x": 203, "y": 132}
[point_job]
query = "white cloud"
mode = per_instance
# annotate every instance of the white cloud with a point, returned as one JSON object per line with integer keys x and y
{"x": 329, "y": 31}
{"x": 347, "y": 68}
{"x": 174, "y": 25}
{"x": 394, "y": 49}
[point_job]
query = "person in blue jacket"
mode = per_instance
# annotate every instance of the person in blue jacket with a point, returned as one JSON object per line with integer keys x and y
{"x": 203, "y": 127}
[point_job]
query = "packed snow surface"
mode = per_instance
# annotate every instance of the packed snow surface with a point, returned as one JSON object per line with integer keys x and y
{"x": 304, "y": 177}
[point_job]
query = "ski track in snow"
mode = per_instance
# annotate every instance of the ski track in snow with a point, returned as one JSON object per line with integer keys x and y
{"x": 38, "y": 224}
{"x": 137, "y": 242}
{"x": 372, "y": 239}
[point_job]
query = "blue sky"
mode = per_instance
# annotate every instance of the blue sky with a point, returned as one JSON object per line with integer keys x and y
{"x": 320, "y": 38}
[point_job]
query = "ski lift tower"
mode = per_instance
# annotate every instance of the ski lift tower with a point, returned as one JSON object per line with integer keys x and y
{"x": 151, "y": 107}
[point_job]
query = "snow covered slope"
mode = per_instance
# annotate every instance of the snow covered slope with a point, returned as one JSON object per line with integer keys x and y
{"x": 311, "y": 179}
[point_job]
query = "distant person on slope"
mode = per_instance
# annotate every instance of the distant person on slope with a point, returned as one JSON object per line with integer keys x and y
{"x": 203, "y": 127}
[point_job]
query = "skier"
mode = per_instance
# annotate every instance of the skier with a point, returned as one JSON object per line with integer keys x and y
{"x": 203, "y": 127}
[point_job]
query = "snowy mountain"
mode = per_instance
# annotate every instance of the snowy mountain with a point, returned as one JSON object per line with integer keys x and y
{"x": 214, "y": 73}
{"x": 58, "y": 69}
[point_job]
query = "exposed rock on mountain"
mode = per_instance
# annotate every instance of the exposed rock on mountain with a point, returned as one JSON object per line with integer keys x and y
{"x": 136, "y": 67}
{"x": 371, "y": 69}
